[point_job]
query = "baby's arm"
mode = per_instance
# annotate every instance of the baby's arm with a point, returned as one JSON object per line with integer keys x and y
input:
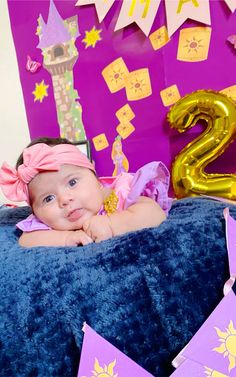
{"x": 54, "y": 238}
{"x": 145, "y": 213}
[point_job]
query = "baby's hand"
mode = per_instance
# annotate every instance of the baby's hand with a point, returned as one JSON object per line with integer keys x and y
{"x": 77, "y": 237}
{"x": 98, "y": 228}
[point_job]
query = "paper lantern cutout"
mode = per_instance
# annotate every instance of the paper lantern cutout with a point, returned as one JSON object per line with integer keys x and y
{"x": 170, "y": 95}
{"x": 194, "y": 44}
{"x": 100, "y": 142}
{"x": 138, "y": 85}
{"x": 115, "y": 74}
{"x": 159, "y": 38}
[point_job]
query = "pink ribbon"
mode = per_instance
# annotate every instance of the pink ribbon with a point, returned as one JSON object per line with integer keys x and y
{"x": 38, "y": 158}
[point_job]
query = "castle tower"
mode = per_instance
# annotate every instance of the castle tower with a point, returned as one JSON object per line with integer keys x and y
{"x": 57, "y": 42}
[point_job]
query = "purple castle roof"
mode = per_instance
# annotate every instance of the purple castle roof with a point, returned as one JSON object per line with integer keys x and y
{"x": 42, "y": 23}
{"x": 54, "y": 32}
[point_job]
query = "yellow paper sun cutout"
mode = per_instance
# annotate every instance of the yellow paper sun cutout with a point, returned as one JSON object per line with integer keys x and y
{"x": 40, "y": 91}
{"x": 107, "y": 371}
{"x": 228, "y": 344}
{"x": 92, "y": 37}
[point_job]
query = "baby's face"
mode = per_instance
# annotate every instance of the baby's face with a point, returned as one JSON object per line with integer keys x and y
{"x": 64, "y": 199}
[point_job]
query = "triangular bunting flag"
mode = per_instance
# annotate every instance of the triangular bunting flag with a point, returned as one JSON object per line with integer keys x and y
{"x": 178, "y": 11}
{"x": 102, "y": 7}
{"x": 101, "y": 358}
{"x": 231, "y": 4}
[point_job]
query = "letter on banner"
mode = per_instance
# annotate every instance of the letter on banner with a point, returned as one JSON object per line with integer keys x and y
{"x": 181, "y": 2}
{"x": 143, "y": 12}
{"x": 178, "y": 11}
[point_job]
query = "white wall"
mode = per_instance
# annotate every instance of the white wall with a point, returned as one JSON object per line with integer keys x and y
{"x": 13, "y": 122}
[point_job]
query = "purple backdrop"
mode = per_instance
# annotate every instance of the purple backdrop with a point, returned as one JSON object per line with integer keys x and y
{"x": 152, "y": 138}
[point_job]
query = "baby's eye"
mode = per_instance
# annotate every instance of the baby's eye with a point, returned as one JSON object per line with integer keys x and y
{"x": 72, "y": 182}
{"x": 48, "y": 198}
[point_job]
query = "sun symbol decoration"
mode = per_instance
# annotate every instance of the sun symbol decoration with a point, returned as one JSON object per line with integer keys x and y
{"x": 228, "y": 344}
{"x": 193, "y": 45}
{"x": 213, "y": 373}
{"x": 117, "y": 76}
{"x": 138, "y": 85}
{"x": 107, "y": 371}
{"x": 92, "y": 37}
{"x": 40, "y": 91}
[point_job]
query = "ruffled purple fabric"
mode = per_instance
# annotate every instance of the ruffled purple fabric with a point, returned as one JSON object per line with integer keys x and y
{"x": 151, "y": 180}
{"x": 32, "y": 223}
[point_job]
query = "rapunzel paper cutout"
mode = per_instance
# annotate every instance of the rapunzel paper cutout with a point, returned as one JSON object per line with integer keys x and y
{"x": 118, "y": 157}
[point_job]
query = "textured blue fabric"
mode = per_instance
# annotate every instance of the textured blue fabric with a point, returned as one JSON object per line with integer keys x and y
{"x": 146, "y": 292}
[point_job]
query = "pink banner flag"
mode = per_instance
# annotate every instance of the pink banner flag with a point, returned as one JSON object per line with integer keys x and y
{"x": 102, "y": 7}
{"x": 101, "y": 358}
{"x": 178, "y": 11}
{"x": 231, "y": 4}
{"x": 143, "y": 12}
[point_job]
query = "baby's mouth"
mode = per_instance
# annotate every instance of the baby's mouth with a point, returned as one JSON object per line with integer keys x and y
{"x": 75, "y": 214}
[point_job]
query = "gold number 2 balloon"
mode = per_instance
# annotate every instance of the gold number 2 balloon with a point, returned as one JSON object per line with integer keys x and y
{"x": 188, "y": 175}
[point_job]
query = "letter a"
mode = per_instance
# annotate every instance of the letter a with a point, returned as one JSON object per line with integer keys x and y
{"x": 181, "y": 2}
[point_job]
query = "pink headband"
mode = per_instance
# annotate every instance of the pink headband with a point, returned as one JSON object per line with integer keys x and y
{"x": 38, "y": 158}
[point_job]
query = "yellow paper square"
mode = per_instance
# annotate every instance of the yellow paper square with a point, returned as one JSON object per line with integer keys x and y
{"x": 100, "y": 142}
{"x": 230, "y": 92}
{"x": 125, "y": 113}
{"x": 170, "y": 95}
{"x": 159, "y": 38}
{"x": 125, "y": 129}
{"x": 115, "y": 74}
{"x": 138, "y": 85}
{"x": 194, "y": 44}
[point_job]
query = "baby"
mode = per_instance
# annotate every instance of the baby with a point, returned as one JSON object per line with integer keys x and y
{"x": 71, "y": 206}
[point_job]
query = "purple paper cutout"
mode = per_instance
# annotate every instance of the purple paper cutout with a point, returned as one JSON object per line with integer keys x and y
{"x": 196, "y": 370}
{"x": 96, "y": 347}
{"x": 214, "y": 344}
{"x": 54, "y": 31}
{"x": 231, "y": 241}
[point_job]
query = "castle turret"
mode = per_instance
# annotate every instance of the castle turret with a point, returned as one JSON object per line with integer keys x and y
{"x": 57, "y": 42}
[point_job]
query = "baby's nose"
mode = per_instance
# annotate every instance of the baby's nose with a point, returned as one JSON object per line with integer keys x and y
{"x": 65, "y": 199}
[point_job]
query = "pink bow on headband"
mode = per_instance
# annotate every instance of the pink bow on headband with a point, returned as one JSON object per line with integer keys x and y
{"x": 38, "y": 158}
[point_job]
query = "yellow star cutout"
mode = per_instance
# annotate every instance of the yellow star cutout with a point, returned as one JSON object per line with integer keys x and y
{"x": 40, "y": 91}
{"x": 92, "y": 37}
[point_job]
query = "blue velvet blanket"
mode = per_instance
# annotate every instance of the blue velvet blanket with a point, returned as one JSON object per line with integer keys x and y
{"x": 146, "y": 292}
